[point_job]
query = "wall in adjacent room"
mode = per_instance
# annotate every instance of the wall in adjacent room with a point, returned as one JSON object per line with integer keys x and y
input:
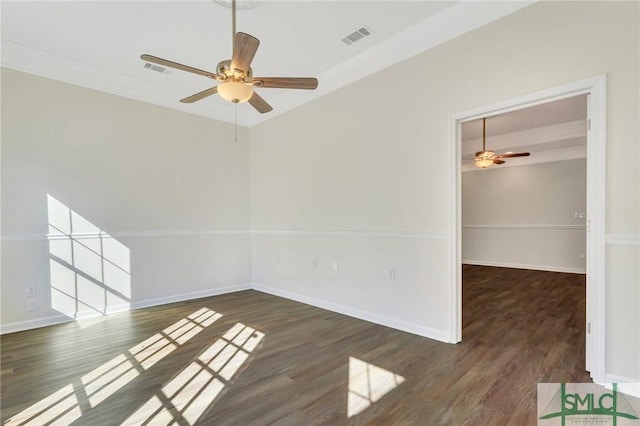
{"x": 524, "y": 216}
{"x": 360, "y": 175}
{"x": 109, "y": 203}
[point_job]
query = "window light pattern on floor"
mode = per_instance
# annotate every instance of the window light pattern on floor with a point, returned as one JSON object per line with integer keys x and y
{"x": 64, "y": 407}
{"x": 367, "y": 384}
{"x": 186, "y": 397}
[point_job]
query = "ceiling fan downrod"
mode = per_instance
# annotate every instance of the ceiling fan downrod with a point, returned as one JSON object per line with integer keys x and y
{"x": 484, "y": 133}
{"x": 233, "y": 25}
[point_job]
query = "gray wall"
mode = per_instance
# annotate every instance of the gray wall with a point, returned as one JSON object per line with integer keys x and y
{"x": 170, "y": 190}
{"x": 524, "y": 216}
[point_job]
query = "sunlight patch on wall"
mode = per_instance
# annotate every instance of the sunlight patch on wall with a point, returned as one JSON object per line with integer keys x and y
{"x": 66, "y": 405}
{"x": 186, "y": 397}
{"x": 90, "y": 270}
{"x": 367, "y": 384}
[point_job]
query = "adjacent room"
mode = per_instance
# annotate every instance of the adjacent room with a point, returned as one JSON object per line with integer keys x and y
{"x": 527, "y": 213}
{"x": 524, "y": 190}
{"x": 425, "y": 210}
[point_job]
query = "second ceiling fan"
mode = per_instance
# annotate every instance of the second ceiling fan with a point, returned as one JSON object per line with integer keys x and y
{"x": 486, "y": 158}
{"x": 236, "y": 76}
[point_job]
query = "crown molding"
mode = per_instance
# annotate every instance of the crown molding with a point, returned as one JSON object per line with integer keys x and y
{"x": 451, "y": 22}
{"x": 525, "y": 139}
{"x": 540, "y": 135}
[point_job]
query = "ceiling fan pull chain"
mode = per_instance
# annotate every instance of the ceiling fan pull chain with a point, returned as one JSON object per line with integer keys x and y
{"x": 235, "y": 121}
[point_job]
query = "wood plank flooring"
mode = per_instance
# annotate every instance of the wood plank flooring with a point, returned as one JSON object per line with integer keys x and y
{"x": 250, "y": 358}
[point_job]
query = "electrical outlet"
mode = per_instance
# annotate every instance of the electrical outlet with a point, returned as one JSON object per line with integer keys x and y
{"x": 335, "y": 266}
{"x": 314, "y": 263}
{"x": 392, "y": 274}
{"x": 32, "y": 291}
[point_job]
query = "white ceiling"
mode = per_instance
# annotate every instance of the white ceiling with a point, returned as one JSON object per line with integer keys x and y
{"x": 98, "y": 44}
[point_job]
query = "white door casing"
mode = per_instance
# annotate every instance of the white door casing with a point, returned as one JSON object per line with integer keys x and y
{"x": 595, "y": 88}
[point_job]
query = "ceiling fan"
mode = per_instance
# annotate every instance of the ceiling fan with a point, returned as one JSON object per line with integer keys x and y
{"x": 487, "y": 158}
{"x": 235, "y": 75}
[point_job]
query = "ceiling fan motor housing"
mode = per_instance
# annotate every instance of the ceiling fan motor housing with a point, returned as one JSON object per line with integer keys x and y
{"x": 224, "y": 68}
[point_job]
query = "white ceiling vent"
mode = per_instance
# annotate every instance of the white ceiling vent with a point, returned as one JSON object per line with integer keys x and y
{"x": 356, "y": 36}
{"x": 157, "y": 68}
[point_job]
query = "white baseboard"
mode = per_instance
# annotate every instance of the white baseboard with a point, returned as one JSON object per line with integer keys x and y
{"x": 14, "y": 327}
{"x": 626, "y": 385}
{"x": 523, "y": 266}
{"x": 59, "y": 319}
{"x": 111, "y": 310}
{"x": 190, "y": 296}
{"x": 614, "y": 378}
{"x": 419, "y": 330}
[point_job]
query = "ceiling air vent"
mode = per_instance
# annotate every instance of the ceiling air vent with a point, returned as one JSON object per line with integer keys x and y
{"x": 356, "y": 35}
{"x": 157, "y": 68}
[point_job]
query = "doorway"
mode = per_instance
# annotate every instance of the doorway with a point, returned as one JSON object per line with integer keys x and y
{"x": 595, "y": 91}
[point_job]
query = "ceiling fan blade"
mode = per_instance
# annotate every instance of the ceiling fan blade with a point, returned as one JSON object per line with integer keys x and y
{"x": 519, "y": 154}
{"x": 498, "y": 161}
{"x": 200, "y": 95}
{"x": 259, "y": 104}
{"x": 176, "y": 65}
{"x": 308, "y": 83}
{"x": 244, "y": 49}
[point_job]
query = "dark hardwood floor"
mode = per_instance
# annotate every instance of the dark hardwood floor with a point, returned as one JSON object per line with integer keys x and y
{"x": 250, "y": 358}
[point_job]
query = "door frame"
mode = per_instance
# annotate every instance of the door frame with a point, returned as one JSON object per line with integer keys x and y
{"x": 595, "y": 87}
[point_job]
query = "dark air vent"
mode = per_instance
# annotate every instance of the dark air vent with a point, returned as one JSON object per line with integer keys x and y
{"x": 157, "y": 68}
{"x": 356, "y": 35}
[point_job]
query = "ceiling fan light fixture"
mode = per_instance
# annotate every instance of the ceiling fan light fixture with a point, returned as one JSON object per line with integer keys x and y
{"x": 235, "y": 91}
{"x": 485, "y": 160}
